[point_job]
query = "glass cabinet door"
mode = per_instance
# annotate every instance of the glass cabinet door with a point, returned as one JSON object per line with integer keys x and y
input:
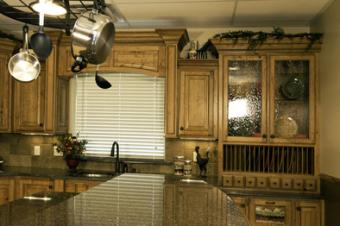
{"x": 292, "y": 99}
{"x": 245, "y": 105}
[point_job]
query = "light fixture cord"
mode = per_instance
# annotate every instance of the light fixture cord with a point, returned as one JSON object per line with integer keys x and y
{"x": 41, "y": 15}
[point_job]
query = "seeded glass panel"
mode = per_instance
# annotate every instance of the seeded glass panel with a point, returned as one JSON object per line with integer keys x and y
{"x": 292, "y": 99}
{"x": 270, "y": 214}
{"x": 244, "y": 98}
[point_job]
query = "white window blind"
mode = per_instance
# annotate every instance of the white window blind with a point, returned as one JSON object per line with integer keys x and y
{"x": 131, "y": 112}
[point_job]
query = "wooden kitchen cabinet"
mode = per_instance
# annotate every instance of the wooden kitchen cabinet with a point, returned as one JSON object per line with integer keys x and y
{"x": 79, "y": 185}
{"x": 30, "y": 186}
{"x": 143, "y": 59}
{"x": 242, "y": 204}
{"x": 275, "y": 105}
{"x": 6, "y": 48}
{"x": 199, "y": 204}
{"x": 289, "y": 212}
{"x": 308, "y": 213}
{"x": 197, "y": 98}
{"x": 41, "y": 105}
{"x": 6, "y": 190}
{"x": 29, "y": 104}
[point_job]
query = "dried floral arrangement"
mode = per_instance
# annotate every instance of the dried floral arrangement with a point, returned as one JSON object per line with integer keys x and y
{"x": 71, "y": 146}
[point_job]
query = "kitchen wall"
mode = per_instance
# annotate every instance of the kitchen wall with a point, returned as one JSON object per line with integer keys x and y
{"x": 329, "y": 81}
{"x": 17, "y": 150}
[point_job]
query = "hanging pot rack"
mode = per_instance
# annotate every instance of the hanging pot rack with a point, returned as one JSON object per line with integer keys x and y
{"x": 24, "y": 13}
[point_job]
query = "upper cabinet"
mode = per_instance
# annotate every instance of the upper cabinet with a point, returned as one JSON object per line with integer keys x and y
{"x": 197, "y": 82}
{"x": 41, "y": 106}
{"x": 245, "y": 105}
{"x": 134, "y": 57}
{"x": 6, "y": 48}
{"x": 268, "y": 95}
{"x": 292, "y": 99}
{"x": 269, "y": 99}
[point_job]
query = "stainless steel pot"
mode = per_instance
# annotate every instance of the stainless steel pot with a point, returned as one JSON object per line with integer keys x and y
{"x": 92, "y": 39}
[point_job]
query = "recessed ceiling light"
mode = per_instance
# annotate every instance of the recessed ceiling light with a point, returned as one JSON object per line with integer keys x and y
{"x": 48, "y": 7}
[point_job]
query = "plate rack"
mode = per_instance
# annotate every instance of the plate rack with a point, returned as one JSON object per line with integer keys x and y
{"x": 268, "y": 159}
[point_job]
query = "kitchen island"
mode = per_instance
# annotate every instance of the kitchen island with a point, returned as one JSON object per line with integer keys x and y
{"x": 129, "y": 199}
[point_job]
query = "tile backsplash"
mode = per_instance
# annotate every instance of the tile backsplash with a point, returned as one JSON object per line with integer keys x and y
{"x": 17, "y": 150}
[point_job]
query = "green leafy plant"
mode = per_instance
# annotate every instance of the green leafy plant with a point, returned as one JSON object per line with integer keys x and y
{"x": 71, "y": 146}
{"x": 256, "y": 39}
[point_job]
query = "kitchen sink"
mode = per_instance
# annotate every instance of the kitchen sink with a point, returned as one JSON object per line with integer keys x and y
{"x": 92, "y": 174}
{"x": 198, "y": 181}
{"x": 97, "y": 174}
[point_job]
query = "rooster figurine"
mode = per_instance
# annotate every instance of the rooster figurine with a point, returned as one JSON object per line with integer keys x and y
{"x": 202, "y": 162}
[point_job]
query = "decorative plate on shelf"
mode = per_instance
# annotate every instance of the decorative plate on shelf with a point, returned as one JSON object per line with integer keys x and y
{"x": 285, "y": 127}
{"x": 292, "y": 89}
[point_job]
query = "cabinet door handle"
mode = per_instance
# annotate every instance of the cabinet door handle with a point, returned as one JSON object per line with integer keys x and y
{"x": 298, "y": 208}
{"x": 264, "y": 136}
{"x": 41, "y": 124}
{"x": 50, "y": 187}
{"x": 270, "y": 202}
{"x": 272, "y": 136}
{"x": 181, "y": 128}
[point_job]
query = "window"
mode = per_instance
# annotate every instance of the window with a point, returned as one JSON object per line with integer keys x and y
{"x": 131, "y": 112}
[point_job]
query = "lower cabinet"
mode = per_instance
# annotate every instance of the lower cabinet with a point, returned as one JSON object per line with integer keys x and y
{"x": 30, "y": 186}
{"x": 308, "y": 213}
{"x": 188, "y": 205}
{"x": 79, "y": 185}
{"x": 12, "y": 188}
{"x": 285, "y": 212}
{"x": 6, "y": 190}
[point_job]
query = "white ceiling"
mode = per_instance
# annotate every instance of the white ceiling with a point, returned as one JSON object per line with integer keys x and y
{"x": 147, "y": 14}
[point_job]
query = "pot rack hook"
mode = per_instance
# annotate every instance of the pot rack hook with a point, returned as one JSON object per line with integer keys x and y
{"x": 99, "y": 5}
{"x": 68, "y": 16}
{"x": 25, "y": 36}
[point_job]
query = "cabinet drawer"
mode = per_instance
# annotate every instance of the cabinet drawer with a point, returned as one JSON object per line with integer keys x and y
{"x": 274, "y": 183}
{"x": 239, "y": 181}
{"x": 298, "y": 184}
{"x": 286, "y": 183}
{"x": 227, "y": 181}
{"x": 310, "y": 185}
{"x": 261, "y": 182}
{"x": 250, "y": 182}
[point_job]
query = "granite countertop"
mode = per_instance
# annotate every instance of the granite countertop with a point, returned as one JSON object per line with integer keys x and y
{"x": 272, "y": 194}
{"x": 130, "y": 199}
{"x": 52, "y": 173}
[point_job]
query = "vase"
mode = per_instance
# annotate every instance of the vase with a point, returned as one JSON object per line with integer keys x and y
{"x": 72, "y": 163}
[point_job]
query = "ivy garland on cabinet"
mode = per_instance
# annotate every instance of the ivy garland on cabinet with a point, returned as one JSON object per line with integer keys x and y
{"x": 256, "y": 39}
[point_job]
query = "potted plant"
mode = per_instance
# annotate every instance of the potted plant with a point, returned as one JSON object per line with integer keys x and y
{"x": 72, "y": 148}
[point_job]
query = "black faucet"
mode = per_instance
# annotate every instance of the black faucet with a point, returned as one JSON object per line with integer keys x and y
{"x": 118, "y": 169}
{"x": 114, "y": 146}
